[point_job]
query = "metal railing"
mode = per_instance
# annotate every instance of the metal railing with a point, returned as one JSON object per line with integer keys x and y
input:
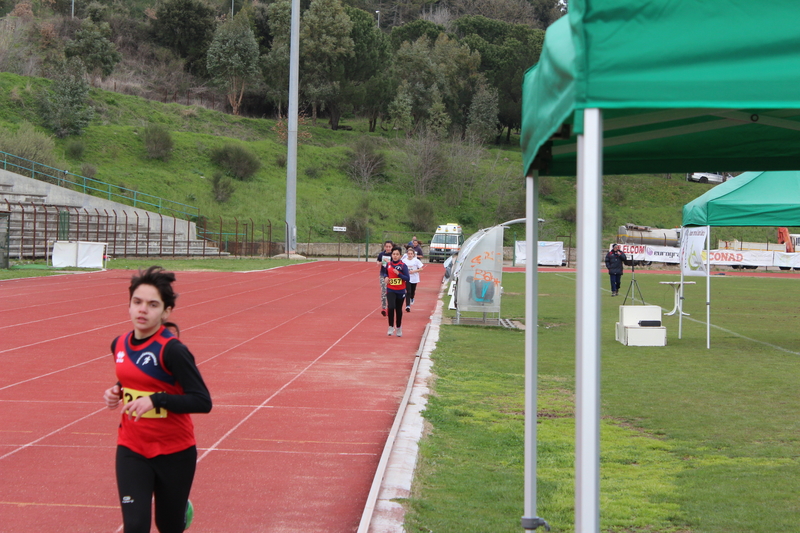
{"x": 101, "y": 189}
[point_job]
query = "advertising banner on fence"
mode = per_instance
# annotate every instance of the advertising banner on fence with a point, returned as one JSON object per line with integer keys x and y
{"x": 693, "y": 243}
{"x": 782, "y": 259}
{"x": 644, "y": 252}
{"x": 740, "y": 257}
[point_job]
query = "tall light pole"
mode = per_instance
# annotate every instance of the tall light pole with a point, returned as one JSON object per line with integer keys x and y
{"x": 292, "y": 119}
{"x": 379, "y": 19}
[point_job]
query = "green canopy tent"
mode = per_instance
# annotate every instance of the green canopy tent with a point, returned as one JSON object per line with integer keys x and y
{"x": 750, "y": 199}
{"x": 626, "y": 86}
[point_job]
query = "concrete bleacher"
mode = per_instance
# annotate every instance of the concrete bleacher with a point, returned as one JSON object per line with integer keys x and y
{"x": 37, "y": 219}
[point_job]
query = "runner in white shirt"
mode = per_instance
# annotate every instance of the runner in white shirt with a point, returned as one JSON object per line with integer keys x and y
{"x": 414, "y": 267}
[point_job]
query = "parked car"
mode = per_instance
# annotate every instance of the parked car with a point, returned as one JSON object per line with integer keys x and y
{"x": 708, "y": 177}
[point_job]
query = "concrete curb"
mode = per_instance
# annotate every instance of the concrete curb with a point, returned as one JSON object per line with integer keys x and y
{"x": 388, "y": 515}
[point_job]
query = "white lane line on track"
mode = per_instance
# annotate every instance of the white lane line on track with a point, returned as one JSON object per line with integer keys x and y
{"x": 204, "y": 302}
{"x": 215, "y": 319}
{"x": 62, "y": 428}
{"x": 96, "y": 296}
{"x": 283, "y": 387}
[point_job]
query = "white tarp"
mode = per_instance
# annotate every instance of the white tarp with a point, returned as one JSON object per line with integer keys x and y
{"x": 782, "y": 259}
{"x": 551, "y": 253}
{"x": 78, "y": 254}
{"x": 479, "y": 271}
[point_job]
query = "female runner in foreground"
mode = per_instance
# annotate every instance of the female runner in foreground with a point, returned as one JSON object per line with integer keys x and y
{"x": 159, "y": 384}
{"x": 397, "y": 276}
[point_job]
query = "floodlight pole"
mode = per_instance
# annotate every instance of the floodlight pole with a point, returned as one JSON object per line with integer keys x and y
{"x": 291, "y": 149}
{"x": 587, "y": 325}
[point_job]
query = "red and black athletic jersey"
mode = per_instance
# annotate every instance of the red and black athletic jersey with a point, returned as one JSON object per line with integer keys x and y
{"x": 163, "y": 368}
{"x": 396, "y": 282}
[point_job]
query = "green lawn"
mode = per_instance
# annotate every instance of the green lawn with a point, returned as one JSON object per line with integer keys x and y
{"x": 692, "y": 439}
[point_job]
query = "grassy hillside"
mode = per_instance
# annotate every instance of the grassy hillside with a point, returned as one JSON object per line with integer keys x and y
{"x": 325, "y": 195}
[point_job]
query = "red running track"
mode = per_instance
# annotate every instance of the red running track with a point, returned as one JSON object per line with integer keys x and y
{"x": 305, "y": 384}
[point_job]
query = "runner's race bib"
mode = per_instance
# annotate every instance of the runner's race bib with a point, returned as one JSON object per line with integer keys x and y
{"x": 129, "y": 395}
{"x": 395, "y": 281}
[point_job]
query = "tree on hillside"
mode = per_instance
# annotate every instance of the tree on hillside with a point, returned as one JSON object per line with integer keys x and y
{"x": 507, "y": 51}
{"x": 510, "y": 11}
{"x": 482, "y": 122}
{"x": 233, "y": 58}
{"x": 93, "y": 46}
{"x": 275, "y": 63}
{"x": 325, "y": 45}
{"x": 187, "y": 28}
{"x": 411, "y": 32}
{"x": 447, "y": 66}
{"x": 65, "y": 108}
{"x": 368, "y": 86}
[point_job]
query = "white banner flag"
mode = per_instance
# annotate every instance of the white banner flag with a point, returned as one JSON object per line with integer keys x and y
{"x": 693, "y": 243}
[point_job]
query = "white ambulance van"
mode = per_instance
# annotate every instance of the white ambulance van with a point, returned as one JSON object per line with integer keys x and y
{"x": 445, "y": 242}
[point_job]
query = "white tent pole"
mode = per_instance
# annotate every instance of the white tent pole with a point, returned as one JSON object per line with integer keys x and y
{"x": 680, "y": 300}
{"x": 529, "y": 520}
{"x": 587, "y": 360}
{"x": 708, "y": 287}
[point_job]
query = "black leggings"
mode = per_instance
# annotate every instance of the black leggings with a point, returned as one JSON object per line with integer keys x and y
{"x": 167, "y": 477}
{"x": 411, "y": 291}
{"x": 395, "y": 302}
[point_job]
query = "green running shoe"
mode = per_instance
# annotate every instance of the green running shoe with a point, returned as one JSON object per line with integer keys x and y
{"x": 189, "y": 515}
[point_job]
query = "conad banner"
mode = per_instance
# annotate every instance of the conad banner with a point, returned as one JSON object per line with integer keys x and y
{"x": 551, "y": 253}
{"x": 741, "y": 257}
{"x": 693, "y": 243}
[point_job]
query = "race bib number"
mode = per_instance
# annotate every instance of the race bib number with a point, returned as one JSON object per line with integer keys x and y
{"x": 395, "y": 281}
{"x": 129, "y": 395}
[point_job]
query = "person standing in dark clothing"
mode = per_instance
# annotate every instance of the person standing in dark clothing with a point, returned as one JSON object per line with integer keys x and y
{"x": 615, "y": 264}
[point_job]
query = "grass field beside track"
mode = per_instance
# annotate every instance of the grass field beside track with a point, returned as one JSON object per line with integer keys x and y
{"x": 692, "y": 439}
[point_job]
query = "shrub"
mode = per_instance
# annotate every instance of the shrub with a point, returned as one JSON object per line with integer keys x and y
{"x": 236, "y": 160}
{"x": 358, "y": 223}
{"x": 222, "y": 187}
{"x": 75, "y": 148}
{"x": 158, "y": 142}
{"x": 280, "y": 160}
{"x": 29, "y": 144}
{"x": 365, "y": 164}
{"x": 422, "y": 214}
{"x": 88, "y": 170}
{"x": 313, "y": 172}
{"x": 569, "y": 214}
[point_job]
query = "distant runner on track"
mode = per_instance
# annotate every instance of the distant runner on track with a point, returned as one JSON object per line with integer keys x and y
{"x": 384, "y": 257}
{"x": 159, "y": 384}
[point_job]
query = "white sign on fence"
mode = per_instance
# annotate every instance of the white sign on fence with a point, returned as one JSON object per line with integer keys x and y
{"x": 340, "y": 228}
